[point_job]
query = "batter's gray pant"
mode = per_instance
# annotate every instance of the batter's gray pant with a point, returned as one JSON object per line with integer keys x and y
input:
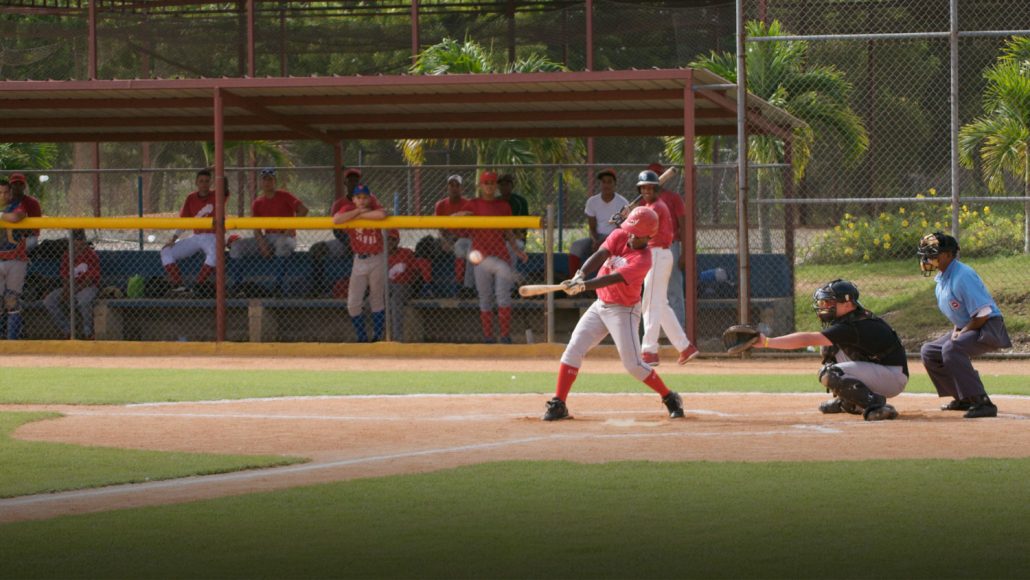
{"x": 59, "y": 311}
{"x": 494, "y": 279}
{"x": 884, "y": 380}
{"x": 600, "y": 320}
{"x": 949, "y": 362}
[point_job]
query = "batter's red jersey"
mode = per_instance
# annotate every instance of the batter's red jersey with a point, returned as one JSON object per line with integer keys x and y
{"x": 197, "y": 206}
{"x": 12, "y": 246}
{"x": 363, "y": 241}
{"x": 490, "y": 242}
{"x": 664, "y": 236}
{"x": 445, "y": 207}
{"x": 87, "y": 268}
{"x": 281, "y": 204}
{"x": 677, "y": 209}
{"x": 632, "y": 264}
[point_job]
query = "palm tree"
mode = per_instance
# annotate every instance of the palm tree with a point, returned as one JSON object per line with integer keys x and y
{"x": 818, "y": 95}
{"x": 450, "y": 56}
{"x": 1002, "y": 134}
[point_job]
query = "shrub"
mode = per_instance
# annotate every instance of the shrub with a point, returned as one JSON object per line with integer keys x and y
{"x": 896, "y": 233}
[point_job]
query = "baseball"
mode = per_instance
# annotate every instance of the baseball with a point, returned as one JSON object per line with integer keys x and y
{"x": 475, "y": 256}
{"x": 151, "y": 238}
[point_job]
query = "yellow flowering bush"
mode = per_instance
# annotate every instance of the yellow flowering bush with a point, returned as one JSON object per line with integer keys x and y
{"x": 895, "y": 234}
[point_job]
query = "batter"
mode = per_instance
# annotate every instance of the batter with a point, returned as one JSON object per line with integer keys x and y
{"x": 624, "y": 261}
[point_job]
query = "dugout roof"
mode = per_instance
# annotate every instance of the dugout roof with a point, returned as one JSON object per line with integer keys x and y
{"x": 334, "y": 109}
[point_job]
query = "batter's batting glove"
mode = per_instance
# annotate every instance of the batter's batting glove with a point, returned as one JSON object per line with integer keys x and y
{"x": 739, "y": 338}
{"x": 573, "y": 286}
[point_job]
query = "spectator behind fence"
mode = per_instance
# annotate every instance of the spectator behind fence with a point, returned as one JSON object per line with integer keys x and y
{"x": 84, "y": 278}
{"x": 678, "y": 210}
{"x": 369, "y": 271}
{"x": 599, "y": 209}
{"x": 337, "y": 248}
{"x": 271, "y": 202}
{"x": 519, "y": 207}
{"x": 407, "y": 274}
{"x": 14, "y": 248}
{"x": 199, "y": 204}
{"x": 494, "y": 275}
{"x": 457, "y": 241}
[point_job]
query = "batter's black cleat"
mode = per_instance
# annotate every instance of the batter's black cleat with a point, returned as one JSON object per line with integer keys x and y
{"x": 556, "y": 410}
{"x": 957, "y": 405}
{"x": 836, "y": 405}
{"x": 674, "y": 403}
{"x": 981, "y": 407}
{"x": 882, "y": 413}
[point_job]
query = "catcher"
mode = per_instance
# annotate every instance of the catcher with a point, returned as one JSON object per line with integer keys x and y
{"x": 864, "y": 361}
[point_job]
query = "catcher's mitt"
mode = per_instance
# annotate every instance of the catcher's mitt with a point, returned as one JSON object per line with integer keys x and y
{"x": 739, "y": 338}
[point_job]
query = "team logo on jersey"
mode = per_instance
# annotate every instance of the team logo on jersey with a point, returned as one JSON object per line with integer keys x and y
{"x": 954, "y": 304}
{"x": 616, "y": 262}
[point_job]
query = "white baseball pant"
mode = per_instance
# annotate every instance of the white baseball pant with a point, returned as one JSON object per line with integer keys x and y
{"x": 368, "y": 273}
{"x": 658, "y": 315}
{"x": 494, "y": 280}
{"x": 282, "y": 246}
{"x": 186, "y": 247}
{"x": 599, "y": 321}
{"x": 884, "y": 380}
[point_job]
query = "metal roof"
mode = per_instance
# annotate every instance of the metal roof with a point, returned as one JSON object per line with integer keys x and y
{"x": 333, "y": 109}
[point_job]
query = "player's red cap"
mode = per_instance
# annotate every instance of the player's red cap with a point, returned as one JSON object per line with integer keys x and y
{"x": 16, "y": 178}
{"x": 352, "y": 171}
{"x": 488, "y": 177}
{"x": 656, "y": 167}
{"x": 606, "y": 171}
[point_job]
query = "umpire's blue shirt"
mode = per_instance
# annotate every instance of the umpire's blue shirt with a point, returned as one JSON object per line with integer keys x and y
{"x": 961, "y": 292}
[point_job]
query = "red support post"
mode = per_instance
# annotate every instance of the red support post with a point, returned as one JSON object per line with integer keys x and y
{"x": 689, "y": 233}
{"x": 219, "y": 107}
{"x": 251, "y": 67}
{"x": 414, "y": 31}
{"x": 337, "y": 171}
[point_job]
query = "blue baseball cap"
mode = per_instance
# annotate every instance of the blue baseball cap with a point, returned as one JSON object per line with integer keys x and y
{"x": 268, "y": 172}
{"x": 361, "y": 189}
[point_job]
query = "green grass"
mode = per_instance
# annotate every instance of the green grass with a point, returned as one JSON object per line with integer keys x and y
{"x": 898, "y": 292}
{"x": 33, "y": 467}
{"x": 110, "y": 386}
{"x": 870, "y": 519}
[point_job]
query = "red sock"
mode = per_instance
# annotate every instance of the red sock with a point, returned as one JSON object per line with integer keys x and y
{"x": 504, "y": 320}
{"x": 205, "y": 272}
{"x": 486, "y": 319}
{"x": 566, "y": 376}
{"x": 657, "y": 385}
{"x": 173, "y": 274}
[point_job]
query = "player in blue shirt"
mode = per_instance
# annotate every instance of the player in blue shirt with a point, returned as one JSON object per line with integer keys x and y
{"x": 978, "y": 328}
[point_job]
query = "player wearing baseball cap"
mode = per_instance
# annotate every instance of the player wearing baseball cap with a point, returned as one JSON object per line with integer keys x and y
{"x": 624, "y": 260}
{"x": 369, "y": 269}
{"x": 271, "y": 202}
{"x": 199, "y": 203}
{"x": 15, "y": 245}
{"x": 459, "y": 242}
{"x": 978, "y": 328}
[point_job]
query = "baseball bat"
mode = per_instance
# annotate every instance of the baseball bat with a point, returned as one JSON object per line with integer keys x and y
{"x": 662, "y": 179}
{"x": 538, "y": 289}
{"x": 666, "y": 175}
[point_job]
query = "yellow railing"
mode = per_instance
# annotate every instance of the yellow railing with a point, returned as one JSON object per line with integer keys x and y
{"x": 251, "y": 223}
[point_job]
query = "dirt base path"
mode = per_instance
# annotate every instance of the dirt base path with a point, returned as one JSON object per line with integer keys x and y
{"x": 368, "y": 436}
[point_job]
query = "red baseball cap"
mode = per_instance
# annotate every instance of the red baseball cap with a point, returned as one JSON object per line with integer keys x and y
{"x": 488, "y": 177}
{"x": 606, "y": 171}
{"x": 656, "y": 167}
{"x": 352, "y": 171}
{"x": 16, "y": 178}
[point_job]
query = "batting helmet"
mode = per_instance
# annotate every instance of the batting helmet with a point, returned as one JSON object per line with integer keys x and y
{"x": 827, "y": 297}
{"x": 648, "y": 177}
{"x": 642, "y": 222}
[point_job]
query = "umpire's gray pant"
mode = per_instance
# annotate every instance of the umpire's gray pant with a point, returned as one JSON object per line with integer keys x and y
{"x": 949, "y": 362}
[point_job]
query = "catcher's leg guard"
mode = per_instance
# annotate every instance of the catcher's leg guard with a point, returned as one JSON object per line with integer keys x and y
{"x": 850, "y": 390}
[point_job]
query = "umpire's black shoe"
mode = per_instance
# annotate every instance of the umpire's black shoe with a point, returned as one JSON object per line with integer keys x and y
{"x": 556, "y": 410}
{"x": 674, "y": 403}
{"x": 836, "y": 405}
{"x": 957, "y": 405}
{"x": 981, "y": 407}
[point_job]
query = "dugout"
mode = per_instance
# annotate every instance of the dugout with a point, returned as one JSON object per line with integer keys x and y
{"x": 663, "y": 102}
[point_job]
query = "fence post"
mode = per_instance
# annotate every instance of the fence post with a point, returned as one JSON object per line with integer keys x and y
{"x": 139, "y": 205}
{"x": 71, "y": 284}
{"x": 549, "y": 265}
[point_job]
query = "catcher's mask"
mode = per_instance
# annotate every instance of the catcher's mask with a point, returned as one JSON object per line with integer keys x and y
{"x": 827, "y": 297}
{"x": 930, "y": 248}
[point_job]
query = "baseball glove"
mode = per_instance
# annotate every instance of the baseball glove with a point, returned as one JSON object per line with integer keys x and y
{"x": 739, "y": 338}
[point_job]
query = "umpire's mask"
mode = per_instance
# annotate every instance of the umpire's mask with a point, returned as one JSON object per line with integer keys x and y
{"x": 930, "y": 248}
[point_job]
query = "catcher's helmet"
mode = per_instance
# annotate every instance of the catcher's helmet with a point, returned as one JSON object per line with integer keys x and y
{"x": 642, "y": 222}
{"x": 827, "y": 297}
{"x": 648, "y": 177}
{"x": 931, "y": 246}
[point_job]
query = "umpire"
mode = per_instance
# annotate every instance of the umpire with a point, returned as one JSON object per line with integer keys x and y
{"x": 864, "y": 361}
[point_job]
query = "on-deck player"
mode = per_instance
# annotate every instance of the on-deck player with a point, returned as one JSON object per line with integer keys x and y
{"x": 624, "y": 260}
